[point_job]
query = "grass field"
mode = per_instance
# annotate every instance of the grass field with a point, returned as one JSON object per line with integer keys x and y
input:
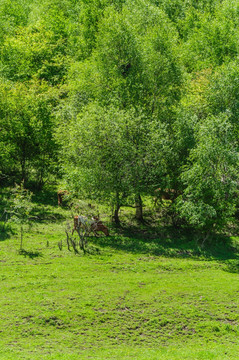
{"x": 148, "y": 294}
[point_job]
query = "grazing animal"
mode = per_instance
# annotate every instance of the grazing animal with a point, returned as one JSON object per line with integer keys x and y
{"x": 60, "y": 195}
{"x": 99, "y": 226}
{"x": 94, "y": 224}
{"x": 166, "y": 194}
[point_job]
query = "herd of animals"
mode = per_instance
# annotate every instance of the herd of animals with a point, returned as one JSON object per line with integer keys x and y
{"x": 95, "y": 224}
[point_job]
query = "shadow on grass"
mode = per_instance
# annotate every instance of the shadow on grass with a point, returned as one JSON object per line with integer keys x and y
{"x": 44, "y": 214}
{"x": 232, "y": 266}
{"x": 30, "y": 254}
{"x": 5, "y": 231}
{"x": 45, "y": 197}
{"x": 170, "y": 242}
{"x": 46, "y": 209}
{"x": 48, "y": 197}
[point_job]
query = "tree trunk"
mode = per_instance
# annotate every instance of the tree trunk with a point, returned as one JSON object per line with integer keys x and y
{"x": 23, "y": 170}
{"x": 21, "y": 237}
{"x": 139, "y": 208}
{"x": 115, "y": 216}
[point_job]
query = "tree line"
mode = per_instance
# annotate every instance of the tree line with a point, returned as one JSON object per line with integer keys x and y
{"x": 118, "y": 98}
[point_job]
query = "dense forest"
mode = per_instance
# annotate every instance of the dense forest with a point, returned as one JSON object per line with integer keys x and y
{"x": 118, "y": 100}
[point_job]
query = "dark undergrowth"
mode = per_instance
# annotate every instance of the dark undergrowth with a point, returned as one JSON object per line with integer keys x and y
{"x": 171, "y": 243}
{"x": 148, "y": 238}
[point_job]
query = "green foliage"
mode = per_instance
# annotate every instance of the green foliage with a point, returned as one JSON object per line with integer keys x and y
{"x": 106, "y": 153}
{"x": 223, "y": 90}
{"x": 33, "y": 52}
{"x": 211, "y": 176}
{"x": 20, "y": 204}
{"x": 26, "y": 129}
{"x": 20, "y": 207}
{"x": 13, "y": 13}
{"x": 132, "y": 84}
{"x": 118, "y": 71}
{"x": 212, "y": 39}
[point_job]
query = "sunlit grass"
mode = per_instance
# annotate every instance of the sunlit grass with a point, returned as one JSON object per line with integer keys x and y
{"x": 143, "y": 294}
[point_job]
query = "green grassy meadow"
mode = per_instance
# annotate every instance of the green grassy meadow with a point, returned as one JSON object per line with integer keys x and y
{"x": 137, "y": 294}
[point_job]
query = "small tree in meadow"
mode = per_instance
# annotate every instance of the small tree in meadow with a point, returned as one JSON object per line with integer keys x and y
{"x": 83, "y": 230}
{"x": 20, "y": 208}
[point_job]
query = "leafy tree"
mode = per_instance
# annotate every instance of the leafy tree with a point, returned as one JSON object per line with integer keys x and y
{"x": 105, "y": 154}
{"x": 27, "y": 124}
{"x": 131, "y": 65}
{"x": 20, "y": 208}
{"x": 212, "y": 38}
{"x": 33, "y": 52}
{"x": 222, "y": 94}
{"x": 211, "y": 176}
{"x": 13, "y": 14}
{"x": 111, "y": 74}
{"x": 129, "y": 72}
